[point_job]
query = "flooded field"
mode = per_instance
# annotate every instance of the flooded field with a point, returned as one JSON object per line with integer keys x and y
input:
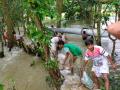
{"x": 15, "y": 68}
{"x": 15, "y": 71}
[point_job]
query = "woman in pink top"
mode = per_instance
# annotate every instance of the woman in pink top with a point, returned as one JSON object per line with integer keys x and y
{"x": 100, "y": 59}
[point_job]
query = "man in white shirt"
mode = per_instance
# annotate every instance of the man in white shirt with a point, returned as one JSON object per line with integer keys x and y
{"x": 53, "y": 46}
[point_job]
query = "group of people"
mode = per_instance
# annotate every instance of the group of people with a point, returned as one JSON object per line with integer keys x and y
{"x": 17, "y": 37}
{"x": 98, "y": 55}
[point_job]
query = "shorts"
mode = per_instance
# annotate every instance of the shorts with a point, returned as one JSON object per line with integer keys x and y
{"x": 99, "y": 70}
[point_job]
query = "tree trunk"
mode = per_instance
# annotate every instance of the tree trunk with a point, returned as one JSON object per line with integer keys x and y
{"x": 59, "y": 7}
{"x": 38, "y": 23}
{"x": 1, "y": 45}
{"x": 94, "y": 20}
{"x": 40, "y": 27}
{"x": 24, "y": 29}
{"x": 9, "y": 23}
{"x": 119, "y": 16}
{"x": 1, "y": 38}
{"x": 99, "y": 24}
{"x": 116, "y": 12}
{"x": 89, "y": 17}
{"x": 119, "y": 13}
{"x": 2, "y": 50}
{"x": 18, "y": 30}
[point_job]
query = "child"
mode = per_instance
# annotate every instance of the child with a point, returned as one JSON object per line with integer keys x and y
{"x": 71, "y": 50}
{"x": 100, "y": 60}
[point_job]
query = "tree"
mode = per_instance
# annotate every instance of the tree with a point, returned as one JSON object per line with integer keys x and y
{"x": 37, "y": 12}
{"x": 9, "y": 23}
{"x": 99, "y": 8}
{"x": 59, "y": 7}
{"x": 1, "y": 38}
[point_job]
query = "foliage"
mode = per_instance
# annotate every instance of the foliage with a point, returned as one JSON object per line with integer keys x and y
{"x": 79, "y": 8}
{"x": 114, "y": 80}
{"x": 49, "y": 80}
{"x": 54, "y": 78}
{"x": 16, "y": 10}
{"x": 42, "y": 8}
{"x": 70, "y": 8}
{"x": 51, "y": 64}
{"x": 1, "y": 87}
{"x": 39, "y": 36}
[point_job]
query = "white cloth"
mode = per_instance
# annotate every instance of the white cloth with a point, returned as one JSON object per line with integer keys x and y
{"x": 100, "y": 70}
{"x": 54, "y": 42}
{"x": 61, "y": 58}
{"x": 18, "y": 37}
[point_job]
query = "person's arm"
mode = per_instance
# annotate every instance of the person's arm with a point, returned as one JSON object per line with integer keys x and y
{"x": 67, "y": 53}
{"x": 66, "y": 57}
{"x": 85, "y": 61}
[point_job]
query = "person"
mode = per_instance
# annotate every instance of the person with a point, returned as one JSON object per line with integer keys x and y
{"x": 71, "y": 50}
{"x": 53, "y": 46}
{"x": 114, "y": 29}
{"x": 19, "y": 39}
{"x": 52, "y": 27}
{"x": 64, "y": 37}
{"x": 100, "y": 59}
{"x": 84, "y": 35}
{"x": 5, "y": 37}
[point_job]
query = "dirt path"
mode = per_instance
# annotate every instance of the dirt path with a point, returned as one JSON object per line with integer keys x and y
{"x": 16, "y": 69}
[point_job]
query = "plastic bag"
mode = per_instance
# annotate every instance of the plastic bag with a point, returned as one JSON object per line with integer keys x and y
{"x": 87, "y": 80}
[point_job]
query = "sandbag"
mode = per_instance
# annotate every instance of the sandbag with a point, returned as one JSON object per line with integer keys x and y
{"x": 65, "y": 72}
{"x": 87, "y": 81}
{"x": 114, "y": 29}
{"x": 64, "y": 87}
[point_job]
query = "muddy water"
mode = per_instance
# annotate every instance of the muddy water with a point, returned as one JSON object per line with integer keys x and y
{"x": 15, "y": 70}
